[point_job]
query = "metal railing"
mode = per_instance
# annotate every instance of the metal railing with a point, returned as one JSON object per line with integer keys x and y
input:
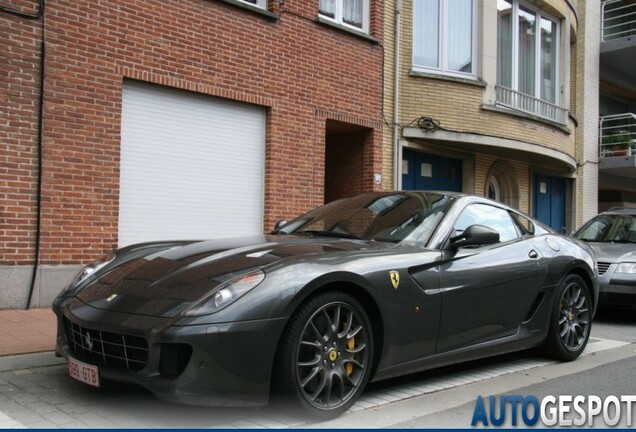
{"x": 618, "y": 19}
{"x": 531, "y": 105}
{"x": 617, "y": 135}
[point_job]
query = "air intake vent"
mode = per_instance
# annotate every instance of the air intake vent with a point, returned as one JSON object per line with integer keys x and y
{"x": 603, "y": 267}
{"x": 174, "y": 359}
{"x": 112, "y": 350}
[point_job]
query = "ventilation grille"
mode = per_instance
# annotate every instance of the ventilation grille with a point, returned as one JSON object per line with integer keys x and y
{"x": 603, "y": 267}
{"x": 112, "y": 350}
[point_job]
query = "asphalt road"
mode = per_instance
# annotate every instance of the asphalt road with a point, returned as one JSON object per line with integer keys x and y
{"x": 36, "y": 391}
{"x": 615, "y": 378}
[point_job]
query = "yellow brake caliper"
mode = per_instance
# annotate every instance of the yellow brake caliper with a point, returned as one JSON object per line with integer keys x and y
{"x": 349, "y": 366}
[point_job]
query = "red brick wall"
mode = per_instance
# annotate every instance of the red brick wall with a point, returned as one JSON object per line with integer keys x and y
{"x": 303, "y": 71}
{"x": 19, "y": 90}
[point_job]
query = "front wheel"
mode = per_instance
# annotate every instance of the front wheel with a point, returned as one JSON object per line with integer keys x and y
{"x": 326, "y": 354}
{"x": 571, "y": 320}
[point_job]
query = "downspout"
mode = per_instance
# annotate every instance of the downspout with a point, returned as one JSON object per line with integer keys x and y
{"x": 38, "y": 229}
{"x": 396, "y": 98}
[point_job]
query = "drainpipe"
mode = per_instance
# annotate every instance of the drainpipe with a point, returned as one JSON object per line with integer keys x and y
{"x": 38, "y": 229}
{"x": 396, "y": 97}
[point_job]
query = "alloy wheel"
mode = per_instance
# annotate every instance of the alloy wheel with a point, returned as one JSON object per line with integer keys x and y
{"x": 332, "y": 356}
{"x": 574, "y": 316}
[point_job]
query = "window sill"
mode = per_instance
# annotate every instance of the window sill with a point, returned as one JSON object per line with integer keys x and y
{"x": 431, "y": 75}
{"x": 359, "y": 34}
{"x": 252, "y": 8}
{"x": 515, "y": 113}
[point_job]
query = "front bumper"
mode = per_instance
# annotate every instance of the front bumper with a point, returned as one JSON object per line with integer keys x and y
{"x": 617, "y": 290}
{"x": 228, "y": 364}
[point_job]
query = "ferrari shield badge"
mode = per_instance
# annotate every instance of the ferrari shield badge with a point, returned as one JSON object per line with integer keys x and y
{"x": 395, "y": 278}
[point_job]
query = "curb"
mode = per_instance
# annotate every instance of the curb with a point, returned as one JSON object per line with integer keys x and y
{"x": 27, "y": 361}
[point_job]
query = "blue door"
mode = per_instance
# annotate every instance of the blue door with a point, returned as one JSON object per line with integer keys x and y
{"x": 421, "y": 171}
{"x": 549, "y": 201}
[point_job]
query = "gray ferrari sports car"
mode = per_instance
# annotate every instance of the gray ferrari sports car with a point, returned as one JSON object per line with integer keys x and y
{"x": 364, "y": 288}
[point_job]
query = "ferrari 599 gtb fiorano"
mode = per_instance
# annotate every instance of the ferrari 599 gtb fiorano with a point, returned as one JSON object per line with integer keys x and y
{"x": 364, "y": 288}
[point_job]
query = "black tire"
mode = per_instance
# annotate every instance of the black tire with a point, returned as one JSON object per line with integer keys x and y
{"x": 571, "y": 321}
{"x": 326, "y": 354}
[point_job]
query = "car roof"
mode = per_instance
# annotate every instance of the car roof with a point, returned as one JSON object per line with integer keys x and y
{"x": 621, "y": 211}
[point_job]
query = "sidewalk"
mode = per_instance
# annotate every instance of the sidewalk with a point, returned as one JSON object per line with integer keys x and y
{"x": 27, "y": 331}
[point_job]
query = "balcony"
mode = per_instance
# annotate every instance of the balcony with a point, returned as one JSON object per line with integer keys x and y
{"x": 530, "y": 105}
{"x": 617, "y": 145}
{"x": 619, "y": 20}
{"x": 618, "y": 43}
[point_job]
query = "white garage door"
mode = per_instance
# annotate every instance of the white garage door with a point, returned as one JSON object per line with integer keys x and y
{"x": 191, "y": 166}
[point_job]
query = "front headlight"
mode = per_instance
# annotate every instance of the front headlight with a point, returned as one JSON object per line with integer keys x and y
{"x": 226, "y": 294}
{"x": 90, "y": 269}
{"x": 626, "y": 268}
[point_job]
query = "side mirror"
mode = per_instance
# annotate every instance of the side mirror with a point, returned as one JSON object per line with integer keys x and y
{"x": 280, "y": 224}
{"x": 475, "y": 235}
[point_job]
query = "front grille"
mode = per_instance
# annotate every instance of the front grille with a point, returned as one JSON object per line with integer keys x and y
{"x": 620, "y": 300}
{"x": 603, "y": 267}
{"x": 112, "y": 350}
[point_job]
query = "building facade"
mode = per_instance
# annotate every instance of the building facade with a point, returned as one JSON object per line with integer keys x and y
{"x": 617, "y": 123}
{"x": 139, "y": 121}
{"x": 496, "y": 98}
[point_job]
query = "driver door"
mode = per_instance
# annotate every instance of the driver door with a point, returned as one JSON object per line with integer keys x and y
{"x": 487, "y": 291}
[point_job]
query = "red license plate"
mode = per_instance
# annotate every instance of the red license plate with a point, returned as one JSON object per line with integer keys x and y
{"x": 83, "y": 372}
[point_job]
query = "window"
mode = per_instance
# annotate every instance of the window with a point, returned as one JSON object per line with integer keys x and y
{"x": 350, "y": 13}
{"x": 502, "y": 184}
{"x": 493, "y": 189}
{"x": 492, "y": 217}
{"x": 527, "y": 50}
{"x": 443, "y": 36}
{"x": 258, "y": 3}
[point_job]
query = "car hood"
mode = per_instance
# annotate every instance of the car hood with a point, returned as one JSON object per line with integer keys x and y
{"x": 165, "y": 282}
{"x": 614, "y": 252}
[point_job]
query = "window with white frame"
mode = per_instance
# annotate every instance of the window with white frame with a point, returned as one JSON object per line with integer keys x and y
{"x": 258, "y": 3}
{"x": 444, "y": 36}
{"x": 349, "y": 13}
{"x": 527, "y": 50}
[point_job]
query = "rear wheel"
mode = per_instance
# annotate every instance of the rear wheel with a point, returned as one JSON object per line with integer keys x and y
{"x": 325, "y": 358}
{"x": 571, "y": 320}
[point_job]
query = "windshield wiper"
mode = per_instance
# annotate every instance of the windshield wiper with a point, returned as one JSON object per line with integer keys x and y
{"x": 319, "y": 233}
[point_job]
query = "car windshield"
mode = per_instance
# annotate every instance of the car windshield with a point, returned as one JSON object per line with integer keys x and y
{"x": 391, "y": 217}
{"x": 609, "y": 228}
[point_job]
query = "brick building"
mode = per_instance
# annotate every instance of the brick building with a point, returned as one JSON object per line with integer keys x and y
{"x": 131, "y": 121}
{"x": 497, "y": 98}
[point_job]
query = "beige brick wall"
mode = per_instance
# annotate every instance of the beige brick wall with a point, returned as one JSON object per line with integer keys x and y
{"x": 460, "y": 106}
{"x": 587, "y": 85}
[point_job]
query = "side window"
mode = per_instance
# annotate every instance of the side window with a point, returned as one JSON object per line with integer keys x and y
{"x": 524, "y": 223}
{"x": 487, "y": 215}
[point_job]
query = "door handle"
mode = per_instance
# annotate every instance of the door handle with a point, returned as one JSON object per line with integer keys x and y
{"x": 533, "y": 254}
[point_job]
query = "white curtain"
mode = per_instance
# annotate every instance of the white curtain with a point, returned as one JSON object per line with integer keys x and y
{"x": 459, "y": 52}
{"x": 328, "y": 8}
{"x": 426, "y": 33}
{"x": 549, "y": 45}
{"x": 353, "y": 11}
{"x": 504, "y": 43}
{"x": 527, "y": 51}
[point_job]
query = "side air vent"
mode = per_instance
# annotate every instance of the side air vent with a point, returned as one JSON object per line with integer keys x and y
{"x": 535, "y": 306}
